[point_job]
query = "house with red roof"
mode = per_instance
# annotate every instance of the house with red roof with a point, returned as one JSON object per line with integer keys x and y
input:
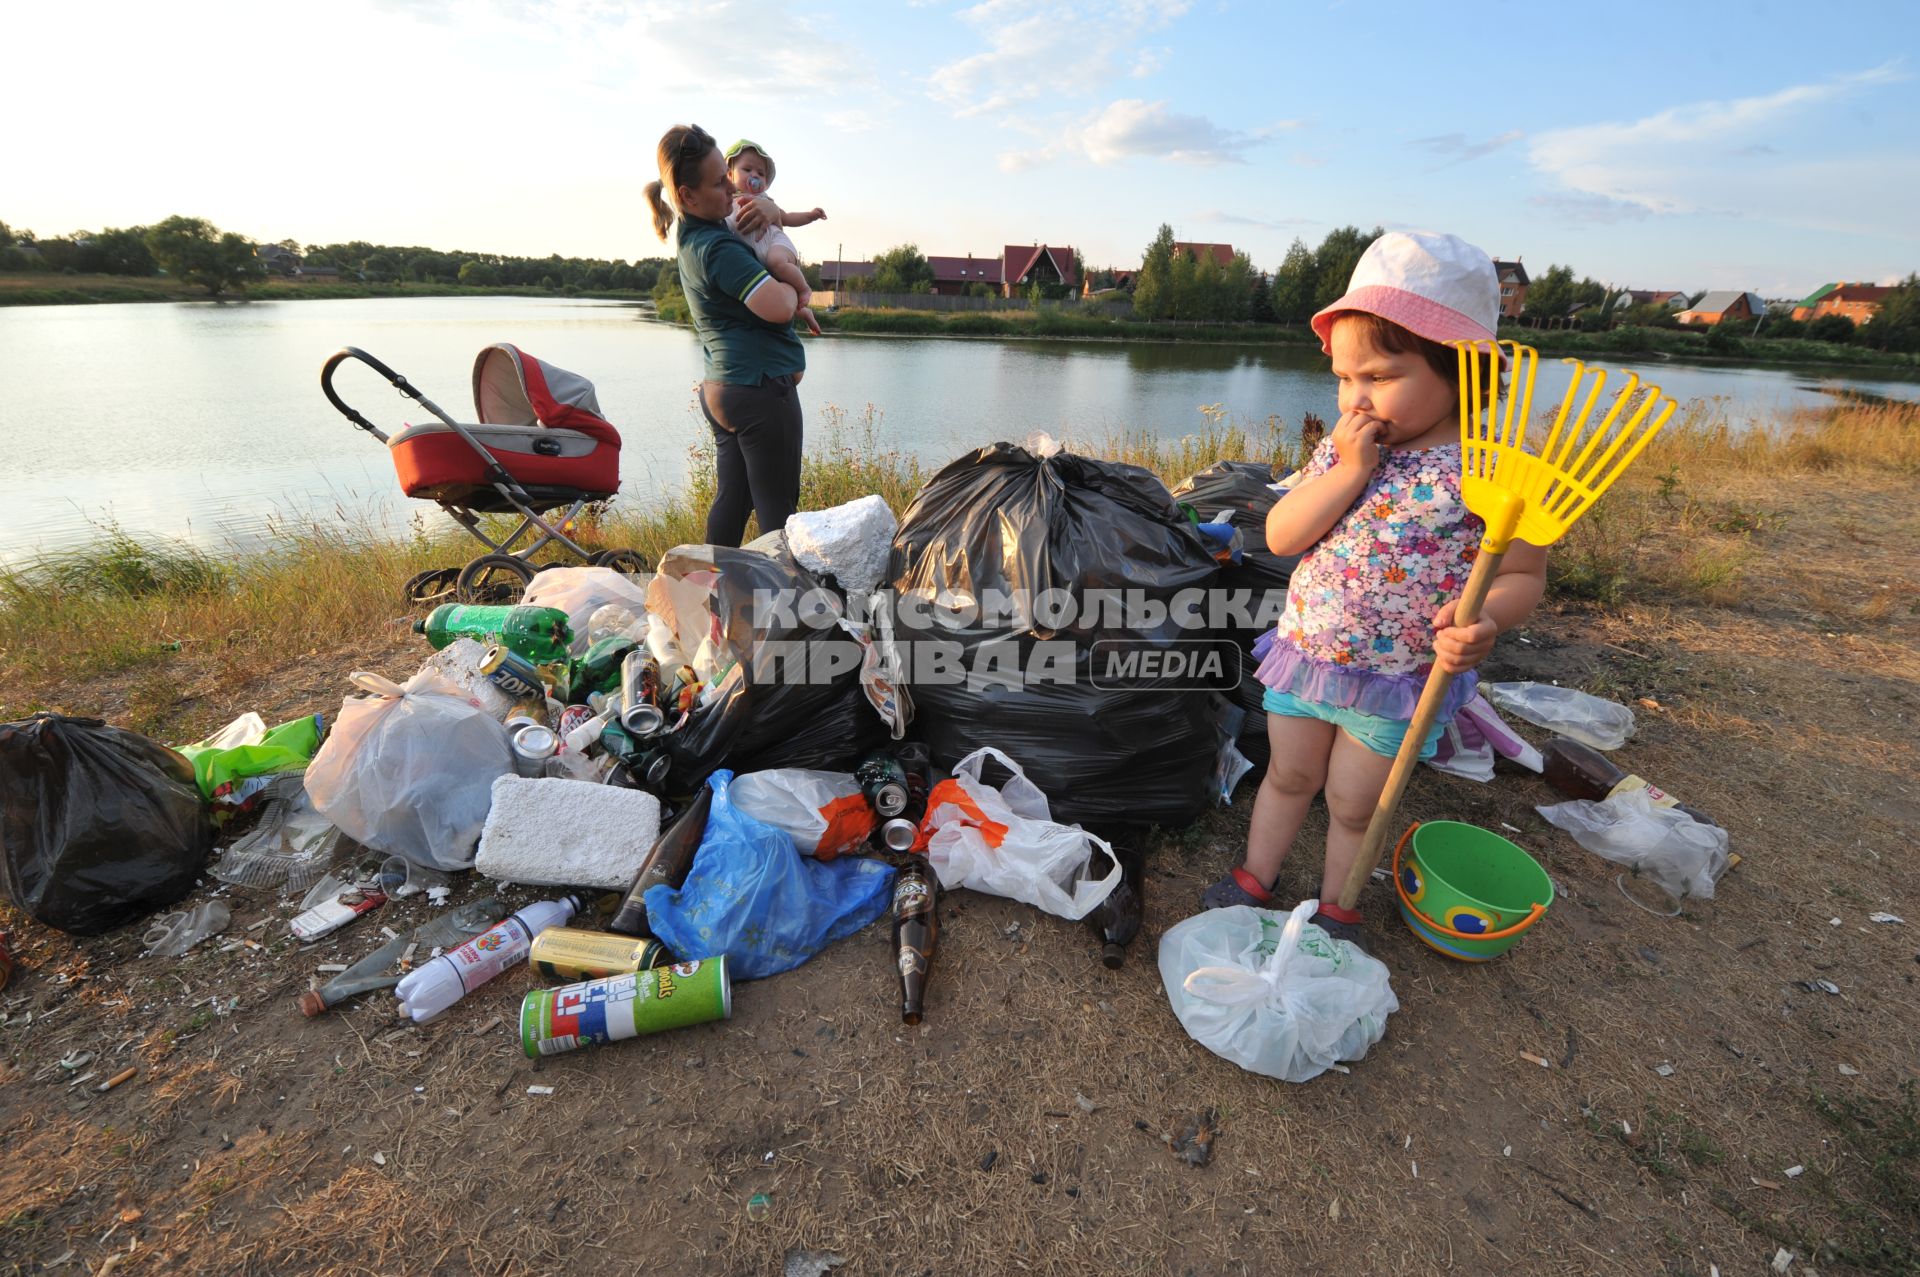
{"x": 1858, "y": 302}
{"x": 952, "y": 276}
{"x": 1222, "y": 254}
{"x": 1047, "y": 265}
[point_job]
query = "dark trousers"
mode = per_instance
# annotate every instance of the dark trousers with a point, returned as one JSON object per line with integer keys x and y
{"x": 757, "y": 442}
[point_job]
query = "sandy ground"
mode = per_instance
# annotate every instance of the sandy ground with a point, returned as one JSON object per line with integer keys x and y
{"x": 1691, "y": 1063}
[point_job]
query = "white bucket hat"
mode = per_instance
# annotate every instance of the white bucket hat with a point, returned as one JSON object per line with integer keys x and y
{"x": 1436, "y": 286}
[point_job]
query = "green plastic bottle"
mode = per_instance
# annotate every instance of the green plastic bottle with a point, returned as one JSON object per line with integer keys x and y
{"x": 541, "y": 634}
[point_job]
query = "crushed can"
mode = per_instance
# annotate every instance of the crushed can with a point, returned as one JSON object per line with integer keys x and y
{"x": 572, "y": 953}
{"x": 553, "y": 1021}
{"x": 512, "y": 673}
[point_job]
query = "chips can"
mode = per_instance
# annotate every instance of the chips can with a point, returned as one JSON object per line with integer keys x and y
{"x": 512, "y": 673}
{"x": 624, "y": 1006}
{"x": 571, "y": 953}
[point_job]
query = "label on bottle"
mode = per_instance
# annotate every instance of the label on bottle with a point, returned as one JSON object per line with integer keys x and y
{"x": 487, "y": 955}
{"x": 1658, "y": 797}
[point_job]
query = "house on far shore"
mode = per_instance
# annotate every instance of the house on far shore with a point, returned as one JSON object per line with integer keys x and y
{"x": 1044, "y": 264}
{"x": 1122, "y": 281}
{"x": 952, "y": 276}
{"x": 1513, "y": 287}
{"x": 1724, "y": 306}
{"x": 305, "y": 271}
{"x": 277, "y": 260}
{"x": 1858, "y": 302}
{"x": 1222, "y": 254}
{"x": 834, "y": 274}
{"x": 1629, "y": 298}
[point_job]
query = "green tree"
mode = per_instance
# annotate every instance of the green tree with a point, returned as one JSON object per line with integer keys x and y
{"x": 1294, "y": 285}
{"x": 194, "y": 250}
{"x": 1837, "y": 328}
{"x": 1897, "y": 326}
{"x": 116, "y": 251}
{"x": 1152, "y": 291}
{"x": 901, "y": 269}
{"x": 479, "y": 274}
{"x": 6, "y": 235}
{"x": 1550, "y": 294}
{"x": 1333, "y": 263}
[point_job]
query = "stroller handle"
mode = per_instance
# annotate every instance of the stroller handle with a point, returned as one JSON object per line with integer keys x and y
{"x": 400, "y": 383}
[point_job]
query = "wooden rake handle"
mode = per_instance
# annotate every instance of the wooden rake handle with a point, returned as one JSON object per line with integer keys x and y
{"x": 1380, "y": 828}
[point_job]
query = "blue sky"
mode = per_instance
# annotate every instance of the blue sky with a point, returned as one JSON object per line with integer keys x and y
{"x": 1752, "y": 145}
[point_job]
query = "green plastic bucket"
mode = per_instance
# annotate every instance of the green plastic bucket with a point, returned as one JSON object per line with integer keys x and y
{"x": 1466, "y": 892}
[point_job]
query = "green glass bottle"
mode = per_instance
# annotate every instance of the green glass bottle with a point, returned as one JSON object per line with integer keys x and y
{"x": 541, "y": 634}
{"x": 599, "y": 669}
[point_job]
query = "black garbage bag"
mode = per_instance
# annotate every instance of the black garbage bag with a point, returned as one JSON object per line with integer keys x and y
{"x": 98, "y": 825}
{"x": 1001, "y": 525}
{"x": 793, "y": 697}
{"x": 1240, "y": 490}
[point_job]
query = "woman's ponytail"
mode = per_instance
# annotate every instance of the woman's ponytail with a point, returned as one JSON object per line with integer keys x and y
{"x": 662, "y": 215}
{"x": 683, "y": 148}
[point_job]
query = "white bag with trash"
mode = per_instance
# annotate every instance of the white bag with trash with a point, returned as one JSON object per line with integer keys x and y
{"x": 1005, "y": 842}
{"x": 825, "y": 813}
{"x": 1272, "y": 992}
{"x": 1663, "y": 844}
{"x": 582, "y": 591}
{"x": 409, "y": 769}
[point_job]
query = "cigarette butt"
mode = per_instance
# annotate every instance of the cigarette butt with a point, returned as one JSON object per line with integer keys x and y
{"x": 257, "y": 925}
{"x": 122, "y": 1076}
{"x": 407, "y": 957}
{"x": 1527, "y": 1055}
{"x": 331, "y": 967}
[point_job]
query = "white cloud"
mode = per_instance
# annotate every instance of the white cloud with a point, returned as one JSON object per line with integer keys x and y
{"x": 1688, "y": 159}
{"x": 1224, "y": 218}
{"x": 1454, "y": 148}
{"x": 1135, "y": 129}
{"x": 1040, "y": 47}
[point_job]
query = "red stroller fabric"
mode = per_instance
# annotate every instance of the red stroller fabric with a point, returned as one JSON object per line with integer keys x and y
{"x": 539, "y": 422}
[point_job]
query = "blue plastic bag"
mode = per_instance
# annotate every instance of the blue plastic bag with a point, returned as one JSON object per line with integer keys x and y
{"x": 752, "y": 896}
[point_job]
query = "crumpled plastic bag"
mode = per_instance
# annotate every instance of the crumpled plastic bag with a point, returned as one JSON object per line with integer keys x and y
{"x": 1473, "y": 737}
{"x": 1569, "y": 711}
{"x": 175, "y": 933}
{"x": 752, "y": 896}
{"x": 582, "y": 591}
{"x": 98, "y": 825}
{"x": 1272, "y": 992}
{"x": 237, "y": 762}
{"x": 1683, "y": 857}
{"x": 409, "y": 770}
{"x": 824, "y": 813}
{"x": 1004, "y": 841}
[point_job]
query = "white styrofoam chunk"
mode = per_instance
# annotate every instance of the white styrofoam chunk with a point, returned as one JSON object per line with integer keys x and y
{"x": 566, "y": 833}
{"x": 850, "y": 541}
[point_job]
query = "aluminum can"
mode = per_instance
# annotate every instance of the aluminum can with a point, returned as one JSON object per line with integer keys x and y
{"x": 572, "y": 953}
{"x": 624, "y": 1006}
{"x": 533, "y": 745}
{"x": 512, "y": 673}
{"x": 640, "y": 711}
{"x": 884, "y": 781}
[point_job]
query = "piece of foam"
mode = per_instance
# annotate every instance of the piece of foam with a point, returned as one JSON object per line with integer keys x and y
{"x": 849, "y": 541}
{"x": 547, "y": 832}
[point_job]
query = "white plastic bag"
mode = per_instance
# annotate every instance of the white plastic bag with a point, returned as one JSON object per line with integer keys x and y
{"x": 824, "y": 813}
{"x": 1566, "y": 710}
{"x": 582, "y": 591}
{"x": 1272, "y": 992}
{"x": 1005, "y": 842}
{"x": 409, "y": 770}
{"x": 1683, "y": 857}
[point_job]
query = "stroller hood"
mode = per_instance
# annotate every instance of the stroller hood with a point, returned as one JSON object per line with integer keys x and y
{"x": 512, "y": 388}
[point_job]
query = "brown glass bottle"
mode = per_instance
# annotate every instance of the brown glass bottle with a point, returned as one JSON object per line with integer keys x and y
{"x": 916, "y": 929}
{"x": 667, "y": 861}
{"x": 1580, "y": 771}
{"x": 1116, "y": 920}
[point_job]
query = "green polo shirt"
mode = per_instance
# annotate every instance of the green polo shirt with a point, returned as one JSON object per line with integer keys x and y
{"x": 718, "y": 272}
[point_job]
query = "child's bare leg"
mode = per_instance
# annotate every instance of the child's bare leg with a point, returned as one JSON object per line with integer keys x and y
{"x": 783, "y": 266}
{"x": 1295, "y": 773}
{"x": 1355, "y": 777}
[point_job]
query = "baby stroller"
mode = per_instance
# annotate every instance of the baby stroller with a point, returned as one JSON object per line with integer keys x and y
{"x": 540, "y": 444}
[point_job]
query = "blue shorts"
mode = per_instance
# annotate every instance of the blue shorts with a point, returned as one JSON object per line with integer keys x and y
{"x": 1381, "y": 735}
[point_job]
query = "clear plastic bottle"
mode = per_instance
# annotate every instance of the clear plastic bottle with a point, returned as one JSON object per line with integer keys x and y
{"x": 432, "y": 988}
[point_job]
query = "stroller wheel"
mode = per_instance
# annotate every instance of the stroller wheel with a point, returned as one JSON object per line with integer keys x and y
{"x": 435, "y": 585}
{"x": 494, "y": 578}
{"x": 628, "y": 561}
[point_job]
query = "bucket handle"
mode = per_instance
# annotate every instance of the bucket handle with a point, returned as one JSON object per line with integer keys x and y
{"x": 1400, "y": 889}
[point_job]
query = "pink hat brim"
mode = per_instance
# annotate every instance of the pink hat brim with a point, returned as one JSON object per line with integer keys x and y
{"x": 1411, "y": 311}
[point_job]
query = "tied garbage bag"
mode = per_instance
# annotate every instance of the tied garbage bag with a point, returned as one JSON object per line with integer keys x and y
{"x": 1041, "y": 600}
{"x": 409, "y": 770}
{"x": 582, "y": 591}
{"x": 98, "y": 826}
{"x": 1567, "y": 710}
{"x": 1681, "y": 856}
{"x": 1005, "y": 842}
{"x": 237, "y": 762}
{"x": 825, "y": 813}
{"x": 753, "y": 897}
{"x": 1272, "y": 992}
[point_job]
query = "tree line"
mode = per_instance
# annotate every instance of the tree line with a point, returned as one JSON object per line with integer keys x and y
{"x": 194, "y": 250}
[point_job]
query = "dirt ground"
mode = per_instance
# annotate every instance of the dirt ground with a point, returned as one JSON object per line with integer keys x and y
{"x": 1705, "y": 1102}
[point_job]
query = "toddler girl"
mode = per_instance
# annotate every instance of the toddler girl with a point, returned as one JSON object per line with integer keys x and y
{"x": 1388, "y": 544}
{"x": 750, "y": 169}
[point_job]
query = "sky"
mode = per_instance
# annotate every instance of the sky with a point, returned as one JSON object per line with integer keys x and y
{"x": 1740, "y": 144}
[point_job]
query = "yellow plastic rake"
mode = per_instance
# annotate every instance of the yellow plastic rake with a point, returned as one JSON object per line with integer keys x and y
{"x": 1535, "y": 497}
